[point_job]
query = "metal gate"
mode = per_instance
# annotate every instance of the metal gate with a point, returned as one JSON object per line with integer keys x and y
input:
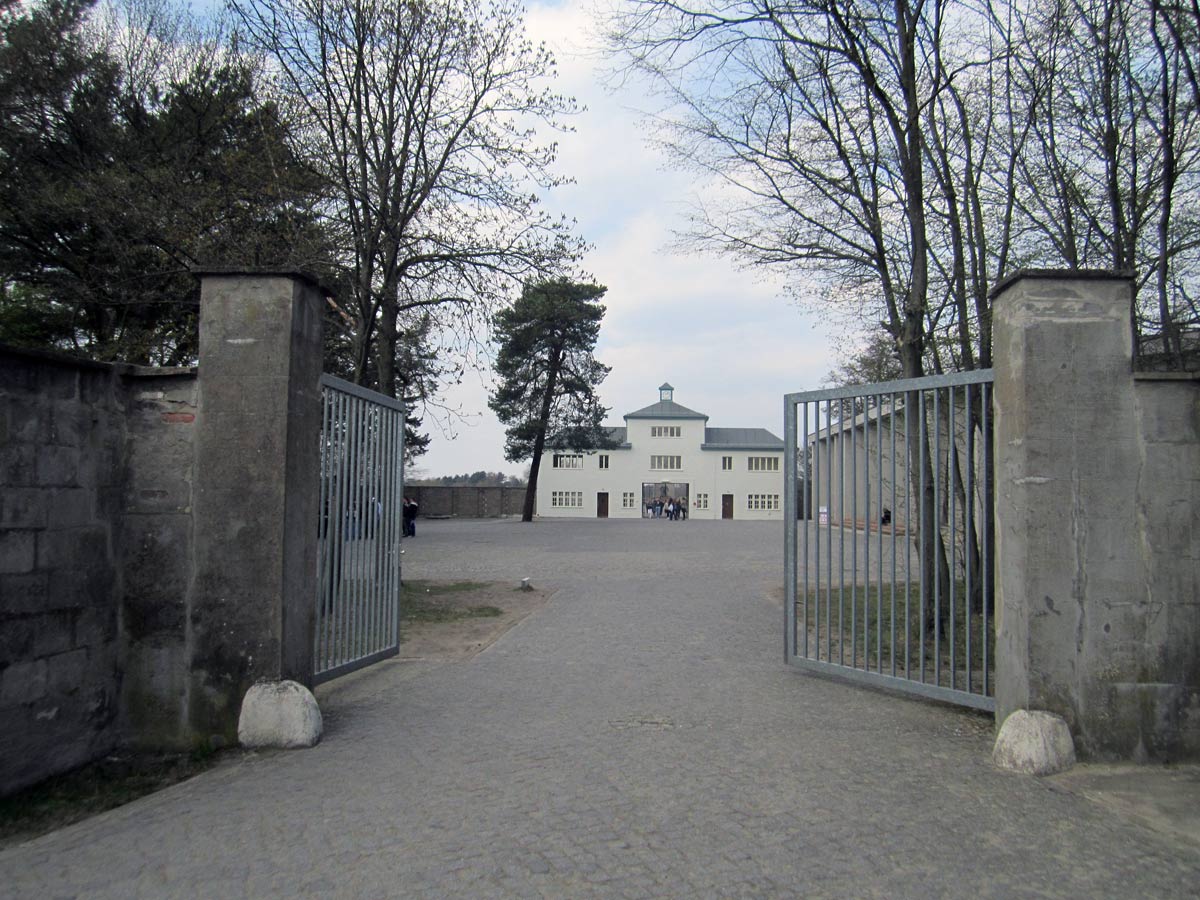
{"x": 358, "y": 558}
{"x": 889, "y": 560}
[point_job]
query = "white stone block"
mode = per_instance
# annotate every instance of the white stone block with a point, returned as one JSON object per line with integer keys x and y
{"x": 279, "y": 714}
{"x": 1034, "y": 742}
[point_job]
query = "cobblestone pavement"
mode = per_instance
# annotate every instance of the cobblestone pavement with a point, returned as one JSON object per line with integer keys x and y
{"x": 637, "y": 737}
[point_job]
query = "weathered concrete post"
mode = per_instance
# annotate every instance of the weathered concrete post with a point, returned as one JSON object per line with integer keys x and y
{"x": 1082, "y": 627}
{"x": 256, "y": 491}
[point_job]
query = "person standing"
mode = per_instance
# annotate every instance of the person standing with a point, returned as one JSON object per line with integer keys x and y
{"x": 411, "y": 507}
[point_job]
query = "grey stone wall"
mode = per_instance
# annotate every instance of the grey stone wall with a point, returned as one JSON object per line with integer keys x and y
{"x": 155, "y": 555}
{"x": 1097, "y": 523}
{"x": 61, "y": 442}
{"x": 95, "y": 557}
{"x": 466, "y": 502}
{"x": 1165, "y": 690}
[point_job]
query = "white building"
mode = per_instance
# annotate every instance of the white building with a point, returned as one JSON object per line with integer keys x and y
{"x": 667, "y": 451}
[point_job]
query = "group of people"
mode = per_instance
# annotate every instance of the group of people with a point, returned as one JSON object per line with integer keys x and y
{"x": 667, "y": 507}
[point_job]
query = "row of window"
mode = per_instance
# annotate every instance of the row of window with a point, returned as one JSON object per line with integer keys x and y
{"x": 762, "y": 501}
{"x": 665, "y": 431}
{"x": 669, "y": 463}
{"x": 574, "y": 500}
{"x": 753, "y": 463}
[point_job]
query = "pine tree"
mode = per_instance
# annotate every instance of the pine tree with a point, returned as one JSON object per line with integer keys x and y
{"x": 548, "y": 376}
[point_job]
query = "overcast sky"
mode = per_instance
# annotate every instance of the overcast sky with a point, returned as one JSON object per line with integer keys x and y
{"x": 728, "y": 341}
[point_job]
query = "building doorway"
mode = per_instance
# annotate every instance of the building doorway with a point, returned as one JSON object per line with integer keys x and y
{"x": 727, "y": 506}
{"x": 602, "y": 505}
{"x": 655, "y": 495}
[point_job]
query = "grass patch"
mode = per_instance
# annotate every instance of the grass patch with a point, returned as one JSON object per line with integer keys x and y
{"x": 858, "y": 627}
{"x": 436, "y": 588}
{"x": 420, "y": 601}
{"x": 99, "y": 786}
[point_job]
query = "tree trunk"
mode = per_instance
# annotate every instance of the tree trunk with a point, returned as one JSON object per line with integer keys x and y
{"x": 539, "y": 442}
{"x": 385, "y": 351}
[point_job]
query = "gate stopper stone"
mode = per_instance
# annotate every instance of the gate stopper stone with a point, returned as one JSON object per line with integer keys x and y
{"x": 279, "y": 714}
{"x": 1034, "y": 742}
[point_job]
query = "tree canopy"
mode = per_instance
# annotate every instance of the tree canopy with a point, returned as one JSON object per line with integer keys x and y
{"x": 547, "y": 374}
{"x": 119, "y": 172}
{"x": 396, "y": 151}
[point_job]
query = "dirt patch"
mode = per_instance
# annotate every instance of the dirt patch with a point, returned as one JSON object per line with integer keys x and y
{"x": 99, "y": 786}
{"x": 456, "y": 620}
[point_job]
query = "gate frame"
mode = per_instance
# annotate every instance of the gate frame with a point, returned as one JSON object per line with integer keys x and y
{"x": 387, "y": 615}
{"x": 981, "y": 701}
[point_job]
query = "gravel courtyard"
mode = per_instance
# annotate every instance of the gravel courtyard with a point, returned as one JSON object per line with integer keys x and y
{"x": 638, "y": 736}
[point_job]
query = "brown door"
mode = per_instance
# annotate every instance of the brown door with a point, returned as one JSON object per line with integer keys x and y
{"x": 727, "y": 506}
{"x": 602, "y": 505}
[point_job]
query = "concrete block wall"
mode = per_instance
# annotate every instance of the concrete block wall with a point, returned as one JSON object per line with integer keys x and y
{"x": 1166, "y": 694}
{"x": 61, "y": 440}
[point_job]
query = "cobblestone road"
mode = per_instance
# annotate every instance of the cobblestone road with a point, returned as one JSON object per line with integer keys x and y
{"x": 637, "y": 737}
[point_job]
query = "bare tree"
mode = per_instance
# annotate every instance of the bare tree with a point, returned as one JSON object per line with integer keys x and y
{"x": 1111, "y": 176}
{"x": 422, "y": 118}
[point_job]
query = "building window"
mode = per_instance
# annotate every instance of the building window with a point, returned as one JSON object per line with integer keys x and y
{"x": 762, "y": 501}
{"x": 666, "y": 462}
{"x": 702, "y": 501}
{"x": 665, "y": 431}
{"x": 727, "y": 463}
{"x": 628, "y": 500}
{"x": 763, "y": 463}
{"x": 568, "y": 461}
{"x": 604, "y": 460}
{"x": 566, "y": 499}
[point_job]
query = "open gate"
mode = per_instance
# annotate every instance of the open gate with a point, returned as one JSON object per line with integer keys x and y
{"x": 358, "y": 555}
{"x": 889, "y": 553}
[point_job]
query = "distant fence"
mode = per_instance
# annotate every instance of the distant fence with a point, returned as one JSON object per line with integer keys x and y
{"x": 466, "y": 502}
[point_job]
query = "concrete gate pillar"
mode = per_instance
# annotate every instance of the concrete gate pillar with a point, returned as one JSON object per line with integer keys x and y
{"x": 256, "y": 492}
{"x": 1093, "y": 623}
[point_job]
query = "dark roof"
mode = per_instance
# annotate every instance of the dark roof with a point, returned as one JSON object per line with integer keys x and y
{"x": 666, "y": 386}
{"x": 740, "y": 439}
{"x": 666, "y": 409}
